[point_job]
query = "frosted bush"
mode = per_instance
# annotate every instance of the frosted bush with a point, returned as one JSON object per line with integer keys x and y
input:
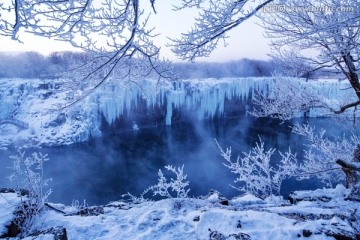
{"x": 287, "y": 98}
{"x": 28, "y": 173}
{"x": 173, "y": 188}
{"x": 132, "y": 199}
{"x": 321, "y": 154}
{"x": 79, "y": 205}
{"x": 256, "y": 173}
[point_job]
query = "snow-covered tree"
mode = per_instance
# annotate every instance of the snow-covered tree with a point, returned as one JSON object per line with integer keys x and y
{"x": 216, "y": 18}
{"x": 256, "y": 174}
{"x": 323, "y": 35}
{"x": 28, "y": 174}
{"x": 323, "y": 157}
{"x": 114, "y": 32}
{"x": 117, "y": 31}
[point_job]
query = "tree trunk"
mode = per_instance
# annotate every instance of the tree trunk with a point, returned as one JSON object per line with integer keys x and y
{"x": 352, "y": 173}
{"x": 352, "y": 74}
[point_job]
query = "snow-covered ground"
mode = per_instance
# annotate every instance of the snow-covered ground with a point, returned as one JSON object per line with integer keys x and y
{"x": 36, "y": 105}
{"x": 8, "y": 204}
{"x": 323, "y": 214}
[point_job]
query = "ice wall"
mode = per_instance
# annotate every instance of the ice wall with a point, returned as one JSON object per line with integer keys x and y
{"x": 37, "y": 104}
{"x": 205, "y": 98}
{"x": 334, "y": 93}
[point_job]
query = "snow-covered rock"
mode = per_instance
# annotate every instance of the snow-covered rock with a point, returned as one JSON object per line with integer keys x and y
{"x": 8, "y": 204}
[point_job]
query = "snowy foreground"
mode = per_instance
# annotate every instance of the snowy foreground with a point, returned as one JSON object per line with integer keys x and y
{"x": 320, "y": 214}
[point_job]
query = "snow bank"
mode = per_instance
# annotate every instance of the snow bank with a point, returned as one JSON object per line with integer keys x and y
{"x": 245, "y": 217}
{"x": 33, "y": 116}
{"x": 8, "y": 204}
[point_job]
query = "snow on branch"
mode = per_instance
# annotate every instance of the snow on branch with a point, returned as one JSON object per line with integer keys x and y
{"x": 115, "y": 34}
{"x": 350, "y": 165}
{"x": 165, "y": 188}
{"x": 321, "y": 154}
{"x": 256, "y": 172}
{"x": 287, "y": 98}
{"x": 216, "y": 18}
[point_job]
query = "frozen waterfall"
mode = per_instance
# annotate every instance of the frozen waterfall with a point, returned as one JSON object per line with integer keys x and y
{"x": 36, "y": 103}
{"x": 205, "y": 98}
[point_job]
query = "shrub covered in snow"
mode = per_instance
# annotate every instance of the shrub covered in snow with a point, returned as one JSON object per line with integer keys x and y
{"x": 322, "y": 152}
{"x": 175, "y": 188}
{"x": 28, "y": 173}
{"x": 255, "y": 173}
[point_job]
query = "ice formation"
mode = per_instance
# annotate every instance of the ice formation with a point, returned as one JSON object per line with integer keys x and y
{"x": 37, "y": 103}
{"x": 204, "y": 97}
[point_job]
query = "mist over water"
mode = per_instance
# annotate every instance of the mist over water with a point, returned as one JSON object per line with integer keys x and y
{"x": 103, "y": 169}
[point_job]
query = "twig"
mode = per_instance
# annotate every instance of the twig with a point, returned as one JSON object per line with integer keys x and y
{"x": 311, "y": 173}
{"x": 53, "y": 208}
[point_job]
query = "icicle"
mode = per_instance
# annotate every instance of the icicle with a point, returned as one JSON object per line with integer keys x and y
{"x": 203, "y": 97}
{"x": 168, "y": 112}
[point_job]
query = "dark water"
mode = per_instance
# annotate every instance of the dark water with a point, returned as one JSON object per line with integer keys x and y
{"x": 103, "y": 169}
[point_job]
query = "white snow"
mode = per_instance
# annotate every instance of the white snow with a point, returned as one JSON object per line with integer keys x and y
{"x": 194, "y": 218}
{"x": 8, "y": 204}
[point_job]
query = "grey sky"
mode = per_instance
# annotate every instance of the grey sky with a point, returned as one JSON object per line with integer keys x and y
{"x": 246, "y": 41}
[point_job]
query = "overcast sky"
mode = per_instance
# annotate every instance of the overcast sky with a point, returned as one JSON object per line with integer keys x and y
{"x": 246, "y": 41}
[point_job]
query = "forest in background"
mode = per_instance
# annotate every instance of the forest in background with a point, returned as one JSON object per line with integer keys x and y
{"x": 35, "y": 65}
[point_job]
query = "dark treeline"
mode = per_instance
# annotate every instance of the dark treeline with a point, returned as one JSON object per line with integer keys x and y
{"x": 35, "y": 65}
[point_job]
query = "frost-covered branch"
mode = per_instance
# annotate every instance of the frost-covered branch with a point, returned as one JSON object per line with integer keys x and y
{"x": 114, "y": 33}
{"x": 285, "y": 99}
{"x": 322, "y": 35}
{"x": 256, "y": 172}
{"x": 28, "y": 173}
{"x": 323, "y": 157}
{"x": 165, "y": 188}
{"x": 289, "y": 97}
{"x": 321, "y": 153}
{"x": 215, "y": 19}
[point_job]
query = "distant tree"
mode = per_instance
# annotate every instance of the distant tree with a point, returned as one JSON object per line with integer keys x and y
{"x": 24, "y": 65}
{"x": 239, "y": 68}
{"x": 34, "y": 65}
{"x": 61, "y": 62}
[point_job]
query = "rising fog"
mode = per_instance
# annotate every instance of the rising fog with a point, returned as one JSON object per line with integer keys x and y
{"x": 35, "y": 65}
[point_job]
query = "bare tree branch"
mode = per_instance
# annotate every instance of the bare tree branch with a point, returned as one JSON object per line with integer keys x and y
{"x": 215, "y": 20}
